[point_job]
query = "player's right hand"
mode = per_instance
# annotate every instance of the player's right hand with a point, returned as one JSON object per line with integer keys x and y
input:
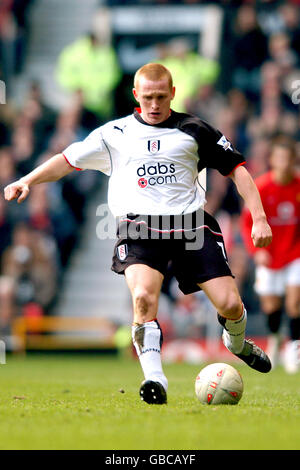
{"x": 15, "y": 190}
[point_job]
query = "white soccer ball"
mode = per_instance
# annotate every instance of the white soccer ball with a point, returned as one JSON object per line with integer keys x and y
{"x": 219, "y": 383}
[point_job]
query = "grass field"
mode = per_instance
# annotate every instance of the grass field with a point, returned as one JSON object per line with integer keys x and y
{"x": 74, "y": 402}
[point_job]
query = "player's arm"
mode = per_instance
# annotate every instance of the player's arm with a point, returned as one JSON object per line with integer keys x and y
{"x": 261, "y": 233}
{"x": 52, "y": 170}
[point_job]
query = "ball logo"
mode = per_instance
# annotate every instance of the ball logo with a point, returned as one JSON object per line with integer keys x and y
{"x": 153, "y": 146}
{"x": 142, "y": 182}
{"x": 209, "y": 397}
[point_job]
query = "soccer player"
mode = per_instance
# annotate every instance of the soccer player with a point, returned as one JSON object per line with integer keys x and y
{"x": 278, "y": 265}
{"x": 153, "y": 157}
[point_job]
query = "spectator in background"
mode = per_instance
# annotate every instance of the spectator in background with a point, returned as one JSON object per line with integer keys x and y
{"x": 276, "y": 113}
{"x": 7, "y": 166}
{"x": 23, "y": 140}
{"x": 241, "y": 109}
{"x": 21, "y": 9}
{"x": 189, "y": 70}
{"x": 13, "y": 38}
{"x": 291, "y": 25}
{"x": 206, "y": 104}
{"x": 32, "y": 128}
{"x": 7, "y": 116}
{"x": 28, "y": 274}
{"x": 250, "y": 51}
{"x": 90, "y": 65}
{"x": 7, "y": 42}
{"x": 258, "y": 156}
{"x": 282, "y": 55}
{"x": 41, "y": 116}
{"x": 278, "y": 265}
{"x": 5, "y": 226}
{"x": 52, "y": 218}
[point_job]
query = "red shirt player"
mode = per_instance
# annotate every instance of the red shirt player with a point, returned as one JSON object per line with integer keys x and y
{"x": 278, "y": 265}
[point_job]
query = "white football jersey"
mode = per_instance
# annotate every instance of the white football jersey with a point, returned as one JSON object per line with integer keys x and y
{"x": 154, "y": 170}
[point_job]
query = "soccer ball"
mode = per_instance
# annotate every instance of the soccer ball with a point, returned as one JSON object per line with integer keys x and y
{"x": 219, "y": 384}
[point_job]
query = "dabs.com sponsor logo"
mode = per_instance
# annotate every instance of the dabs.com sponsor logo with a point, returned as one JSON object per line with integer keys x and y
{"x": 156, "y": 174}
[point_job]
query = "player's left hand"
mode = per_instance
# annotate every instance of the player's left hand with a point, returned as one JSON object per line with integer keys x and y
{"x": 261, "y": 234}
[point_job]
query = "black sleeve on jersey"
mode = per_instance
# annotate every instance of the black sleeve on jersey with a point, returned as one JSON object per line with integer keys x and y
{"x": 211, "y": 154}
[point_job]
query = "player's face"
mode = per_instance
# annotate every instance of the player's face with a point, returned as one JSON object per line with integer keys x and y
{"x": 154, "y": 98}
{"x": 281, "y": 160}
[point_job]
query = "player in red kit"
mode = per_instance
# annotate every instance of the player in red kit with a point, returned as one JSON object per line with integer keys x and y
{"x": 278, "y": 265}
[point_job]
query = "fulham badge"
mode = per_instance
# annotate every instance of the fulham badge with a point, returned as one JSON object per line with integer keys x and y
{"x": 153, "y": 145}
{"x": 122, "y": 252}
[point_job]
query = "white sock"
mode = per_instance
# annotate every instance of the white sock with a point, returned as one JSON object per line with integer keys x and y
{"x": 234, "y": 333}
{"x": 147, "y": 339}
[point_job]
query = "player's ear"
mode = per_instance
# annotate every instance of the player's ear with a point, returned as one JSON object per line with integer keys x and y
{"x": 135, "y": 94}
{"x": 173, "y": 92}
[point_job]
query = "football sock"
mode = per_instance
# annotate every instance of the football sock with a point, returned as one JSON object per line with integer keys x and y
{"x": 295, "y": 328}
{"x": 274, "y": 321}
{"x": 147, "y": 339}
{"x": 234, "y": 332}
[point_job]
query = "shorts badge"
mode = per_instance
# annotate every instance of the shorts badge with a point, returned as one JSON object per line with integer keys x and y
{"x": 122, "y": 252}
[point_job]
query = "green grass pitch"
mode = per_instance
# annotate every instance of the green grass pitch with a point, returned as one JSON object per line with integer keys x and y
{"x": 92, "y": 402}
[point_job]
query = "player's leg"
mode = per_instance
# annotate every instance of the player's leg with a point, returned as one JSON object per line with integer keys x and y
{"x": 223, "y": 294}
{"x": 292, "y": 351}
{"x": 145, "y": 284}
{"x": 270, "y": 287}
{"x": 232, "y": 315}
{"x": 271, "y": 306}
{"x": 207, "y": 268}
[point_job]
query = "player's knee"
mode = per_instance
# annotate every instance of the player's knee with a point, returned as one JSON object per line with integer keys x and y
{"x": 230, "y": 306}
{"x": 292, "y": 308}
{"x": 270, "y": 305}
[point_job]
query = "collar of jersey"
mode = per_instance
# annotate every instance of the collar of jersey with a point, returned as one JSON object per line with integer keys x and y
{"x": 166, "y": 123}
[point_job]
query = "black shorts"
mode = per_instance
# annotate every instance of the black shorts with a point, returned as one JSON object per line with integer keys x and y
{"x": 189, "y": 267}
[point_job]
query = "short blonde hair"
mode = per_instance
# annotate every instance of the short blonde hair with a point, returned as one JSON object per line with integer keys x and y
{"x": 154, "y": 72}
{"x": 286, "y": 142}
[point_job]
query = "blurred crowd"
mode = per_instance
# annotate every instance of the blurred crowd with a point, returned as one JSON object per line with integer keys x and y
{"x": 251, "y": 94}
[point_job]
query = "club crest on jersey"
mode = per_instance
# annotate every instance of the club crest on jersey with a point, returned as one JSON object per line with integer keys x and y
{"x": 225, "y": 143}
{"x": 122, "y": 252}
{"x": 153, "y": 145}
